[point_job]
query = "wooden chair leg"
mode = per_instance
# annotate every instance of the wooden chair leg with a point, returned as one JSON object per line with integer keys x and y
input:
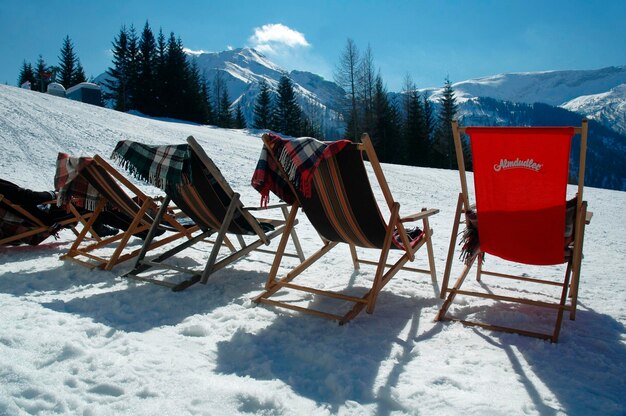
{"x": 444, "y": 308}
{"x": 452, "y": 247}
{"x": 380, "y": 270}
{"x": 355, "y": 257}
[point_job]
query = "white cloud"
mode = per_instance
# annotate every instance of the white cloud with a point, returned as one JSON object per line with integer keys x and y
{"x": 275, "y": 38}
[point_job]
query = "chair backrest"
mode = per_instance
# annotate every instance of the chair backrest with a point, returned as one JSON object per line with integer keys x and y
{"x": 342, "y": 206}
{"x": 520, "y": 181}
{"x": 206, "y": 198}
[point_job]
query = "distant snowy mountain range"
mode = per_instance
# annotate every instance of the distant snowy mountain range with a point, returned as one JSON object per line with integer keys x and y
{"x": 504, "y": 99}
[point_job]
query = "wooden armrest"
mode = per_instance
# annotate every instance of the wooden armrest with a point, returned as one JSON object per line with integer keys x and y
{"x": 267, "y": 207}
{"x": 420, "y": 215}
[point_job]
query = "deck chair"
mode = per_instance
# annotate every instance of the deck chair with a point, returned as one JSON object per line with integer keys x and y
{"x": 140, "y": 208}
{"x": 522, "y": 216}
{"x": 343, "y": 209}
{"x": 208, "y": 199}
{"x": 18, "y": 226}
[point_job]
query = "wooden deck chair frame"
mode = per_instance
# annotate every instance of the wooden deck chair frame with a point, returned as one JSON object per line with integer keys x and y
{"x": 37, "y": 225}
{"x": 214, "y": 264}
{"x": 384, "y": 270}
{"x": 570, "y": 283}
{"x": 83, "y": 251}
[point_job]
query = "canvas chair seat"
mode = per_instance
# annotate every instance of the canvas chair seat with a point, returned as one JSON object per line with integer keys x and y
{"x": 521, "y": 215}
{"x": 205, "y": 196}
{"x": 97, "y": 185}
{"x": 342, "y": 208}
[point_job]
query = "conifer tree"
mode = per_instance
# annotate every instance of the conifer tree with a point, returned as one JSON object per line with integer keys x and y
{"x": 240, "y": 120}
{"x": 366, "y": 82}
{"x": 444, "y": 141}
{"x": 147, "y": 72}
{"x": 414, "y": 137}
{"x": 27, "y": 74}
{"x": 67, "y": 63}
{"x": 287, "y": 118}
{"x": 79, "y": 74}
{"x": 43, "y": 75}
{"x": 119, "y": 74}
{"x": 385, "y": 132}
{"x": 206, "y": 96}
{"x": 224, "y": 117}
{"x": 263, "y": 107}
{"x": 159, "y": 105}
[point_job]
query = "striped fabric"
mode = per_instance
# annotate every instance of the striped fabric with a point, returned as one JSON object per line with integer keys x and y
{"x": 342, "y": 206}
{"x": 206, "y": 202}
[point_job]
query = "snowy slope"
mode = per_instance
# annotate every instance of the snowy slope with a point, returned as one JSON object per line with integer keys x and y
{"x": 74, "y": 341}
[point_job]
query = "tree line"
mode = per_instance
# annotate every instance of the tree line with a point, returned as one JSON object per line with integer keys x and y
{"x": 152, "y": 74}
{"x": 68, "y": 72}
{"x": 405, "y": 130}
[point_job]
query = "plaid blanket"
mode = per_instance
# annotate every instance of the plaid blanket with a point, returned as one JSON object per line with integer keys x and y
{"x": 166, "y": 167}
{"x": 299, "y": 159}
{"x": 71, "y": 185}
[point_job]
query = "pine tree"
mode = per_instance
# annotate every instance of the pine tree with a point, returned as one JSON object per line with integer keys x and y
{"x": 240, "y": 120}
{"x": 145, "y": 95}
{"x": 287, "y": 118}
{"x": 224, "y": 117}
{"x": 119, "y": 74}
{"x": 385, "y": 135}
{"x": 67, "y": 63}
{"x": 133, "y": 66}
{"x": 263, "y": 107}
{"x": 27, "y": 74}
{"x": 414, "y": 136}
{"x": 79, "y": 74}
{"x": 444, "y": 141}
{"x": 159, "y": 105}
{"x": 206, "y": 96}
{"x": 43, "y": 75}
{"x": 175, "y": 79}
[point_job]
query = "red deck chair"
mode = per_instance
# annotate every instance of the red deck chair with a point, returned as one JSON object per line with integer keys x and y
{"x": 521, "y": 213}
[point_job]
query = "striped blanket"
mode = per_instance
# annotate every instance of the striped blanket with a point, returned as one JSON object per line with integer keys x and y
{"x": 166, "y": 167}
{"x": 299, "y": 159}
{"x": 71, "y": 185}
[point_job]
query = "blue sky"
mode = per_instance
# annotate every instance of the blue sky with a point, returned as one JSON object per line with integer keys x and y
{"x": 428, "y": 40}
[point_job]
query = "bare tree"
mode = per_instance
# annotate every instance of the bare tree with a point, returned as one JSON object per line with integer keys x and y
{"x": 346, "y": 76}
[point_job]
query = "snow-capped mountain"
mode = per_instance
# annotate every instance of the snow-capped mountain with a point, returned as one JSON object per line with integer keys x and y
{"x": 609, "y": 108}
{"x": 243, "y": 69}
{"x": 599, "y": 94}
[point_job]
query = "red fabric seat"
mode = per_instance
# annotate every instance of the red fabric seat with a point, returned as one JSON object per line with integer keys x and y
{"x": 520, "y": 179}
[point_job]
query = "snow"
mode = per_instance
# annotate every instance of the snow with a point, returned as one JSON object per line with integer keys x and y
{"x": 75, "y": 341}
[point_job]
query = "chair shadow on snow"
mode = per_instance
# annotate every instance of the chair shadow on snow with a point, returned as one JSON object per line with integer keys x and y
{"x": 328, "y": 363}
{"x": 139, "y": 307}
{"x": 584, "y": 371}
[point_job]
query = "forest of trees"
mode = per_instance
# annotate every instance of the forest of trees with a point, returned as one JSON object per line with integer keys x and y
{"x": 405, "y": 130}
{"x": 153, "y": 75}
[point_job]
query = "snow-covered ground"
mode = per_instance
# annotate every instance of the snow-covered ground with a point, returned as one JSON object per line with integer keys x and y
{"x": 74, "y": 341}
